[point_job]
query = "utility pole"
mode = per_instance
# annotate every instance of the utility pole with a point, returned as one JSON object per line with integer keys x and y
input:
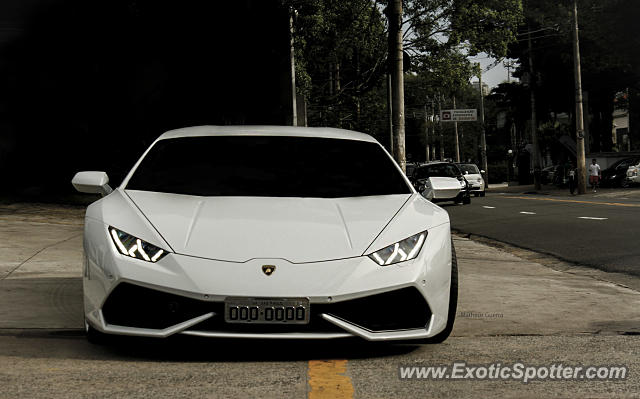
{"x": 508, "y": 66}
{"x": 628, "y": 122}
{"x": 426, "y": 132}
{"x": 462, "y": 142}
{"x": 483, "y": 138}
{"x": 455, "y": 128}
{"x": 397, "y": 80}
{"x": 390, "y": 112}
{"x": 580, "y": 156}
{"x": 440, "y": 129}
{"x": 433, "y": 129}
{"x": 534, "y": 125}
{"x": 292, "y": 62}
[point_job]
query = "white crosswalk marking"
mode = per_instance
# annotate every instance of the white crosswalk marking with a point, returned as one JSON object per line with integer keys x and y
{"x": 527, "y": 213}
{"x": 488, "y": 207}
{"x": 591, "y": 218}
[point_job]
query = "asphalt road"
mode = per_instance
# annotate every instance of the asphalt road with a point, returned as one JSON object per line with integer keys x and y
{"x": 599, "y": 230}
{"x": 510, "y": 310}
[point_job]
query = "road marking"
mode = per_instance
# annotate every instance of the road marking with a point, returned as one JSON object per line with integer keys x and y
{"x": 327, "y": 379}
{"x": 577, "y": 202}
{"x": 489, "y": 207}
{"x": 591, "y": 218}
{"x": 528, "y": 213}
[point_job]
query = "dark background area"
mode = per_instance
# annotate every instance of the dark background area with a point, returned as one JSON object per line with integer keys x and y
{"x": 88, "y": 85}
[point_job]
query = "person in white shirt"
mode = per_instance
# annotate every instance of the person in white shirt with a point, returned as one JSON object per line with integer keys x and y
{"x": 571, "y": 173}
{"x": 594, "y": 174}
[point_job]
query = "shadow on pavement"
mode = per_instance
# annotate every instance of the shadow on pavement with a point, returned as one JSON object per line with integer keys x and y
{"x": 71, "y": 344}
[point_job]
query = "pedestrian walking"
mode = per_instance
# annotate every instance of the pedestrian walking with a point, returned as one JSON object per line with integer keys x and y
{"x": 572, "y": 178}
{"x": 594, "y": 174}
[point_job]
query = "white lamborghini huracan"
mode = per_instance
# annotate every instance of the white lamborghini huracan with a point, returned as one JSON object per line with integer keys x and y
{"x": 266, "y": 232}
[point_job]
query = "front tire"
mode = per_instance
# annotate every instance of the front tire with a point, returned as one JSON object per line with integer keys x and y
{"x": 94, "y": 336}
{"x": 482, "y": 193}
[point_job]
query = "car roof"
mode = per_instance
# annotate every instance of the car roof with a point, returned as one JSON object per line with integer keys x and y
{"x": 262, "y": 130}
{"x": 436, "y": 163}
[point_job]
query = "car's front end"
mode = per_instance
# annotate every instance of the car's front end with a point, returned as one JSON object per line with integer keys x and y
{"x": 187, "y": 294}
{"x": 633, "y": 174}
{"x": 476, "y": 183}
{"x": 474, "y": 178}
{"x": 378, "y": 267}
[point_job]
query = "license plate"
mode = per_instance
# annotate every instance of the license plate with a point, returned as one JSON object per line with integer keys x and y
{"x": 266, "y": 310}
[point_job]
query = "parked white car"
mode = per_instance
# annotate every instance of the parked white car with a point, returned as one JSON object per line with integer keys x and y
{"x": 633, "y": 174}
{"x": 442, "y": 181}
{"x": 316, "y": 235}
{"x": 474, "y": 177}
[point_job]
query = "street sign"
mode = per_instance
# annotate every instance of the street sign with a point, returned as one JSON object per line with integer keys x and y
{"x": 458, "y": 115}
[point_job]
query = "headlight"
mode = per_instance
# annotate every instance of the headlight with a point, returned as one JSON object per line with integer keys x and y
{"x": 401, "y": 251}
{"x": 134, "y": 247}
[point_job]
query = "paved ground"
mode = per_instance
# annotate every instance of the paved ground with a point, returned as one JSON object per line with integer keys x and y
{"x": 511, "y": 309}
{"x": 597, "y": 229}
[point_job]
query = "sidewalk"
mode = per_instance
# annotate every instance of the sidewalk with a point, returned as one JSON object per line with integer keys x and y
{"x": 500, "y": 293}
{"x": 603, "y": 192}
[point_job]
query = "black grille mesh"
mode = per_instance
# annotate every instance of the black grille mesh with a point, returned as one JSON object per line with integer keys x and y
{"x": 134, "y": 306}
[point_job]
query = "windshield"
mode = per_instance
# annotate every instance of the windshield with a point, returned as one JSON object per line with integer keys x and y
{"x": 273, "y": 166}
{"x": 470, "y": 168}
{"x": 437, "y": 170}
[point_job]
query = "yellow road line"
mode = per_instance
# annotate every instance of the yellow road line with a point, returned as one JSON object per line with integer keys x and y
{"x": 578, "y": 202}
{"x": 327, "y": 379}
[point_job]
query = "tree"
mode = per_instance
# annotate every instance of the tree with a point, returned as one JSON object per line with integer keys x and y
{"x": 609, "y": 57}
{"x": 340, "y": 61}
{"x": 441, "y": 34}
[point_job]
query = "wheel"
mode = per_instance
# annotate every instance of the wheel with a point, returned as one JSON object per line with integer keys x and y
{"x": 476, "y": 194}
{"x": 482, "y": 193}
{"x": 466, "y": 200}
{"x": 94, "y": 336}
{"x": 624, "y": 183}
{"x": 453, "y": 302}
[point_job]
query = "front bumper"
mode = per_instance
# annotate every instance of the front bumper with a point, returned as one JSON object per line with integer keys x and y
{"x": 136, "y": 310}
{"x": 349, "y": 297}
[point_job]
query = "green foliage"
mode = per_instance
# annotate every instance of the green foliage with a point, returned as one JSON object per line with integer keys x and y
{"x": 341, "y": 52}
{"x": 340, "y": 60}
{"x": 486, "y": 26}
{"x": 442, "y": 33}
{"x": 610, "y": 60}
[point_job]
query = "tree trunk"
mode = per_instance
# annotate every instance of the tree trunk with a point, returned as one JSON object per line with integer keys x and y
{"x": 440, "y": 130}
{"x": 455, "y": 128}
{"x": 426, "y": 133}
{"x": 397, "y": 81}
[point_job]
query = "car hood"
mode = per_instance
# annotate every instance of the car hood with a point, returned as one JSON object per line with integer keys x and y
{"x": 238, "y": 229}
{"x": 472, "y": 176}
{"x": 443, "y": 183}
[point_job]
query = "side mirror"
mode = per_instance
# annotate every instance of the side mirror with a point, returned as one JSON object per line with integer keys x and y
{"x": 466, "y": 172}
{"x": 92, "y": 183}
{"x": 420, "y": 187}
{"x": 481, "y": 171}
